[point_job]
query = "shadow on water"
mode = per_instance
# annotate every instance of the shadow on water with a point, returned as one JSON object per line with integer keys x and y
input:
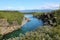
{"x": 29, "y": 26}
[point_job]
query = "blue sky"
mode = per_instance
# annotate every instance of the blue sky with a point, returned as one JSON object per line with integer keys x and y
{"x": 28, "y": 4}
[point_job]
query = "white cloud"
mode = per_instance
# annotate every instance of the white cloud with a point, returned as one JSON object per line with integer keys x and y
{"x": 12, "y": 8}
{"x": 49, "y": 6}
{"x": 44, "y": 6}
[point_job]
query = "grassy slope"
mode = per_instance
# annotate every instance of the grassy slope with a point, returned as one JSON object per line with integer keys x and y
{"x": 11, "y": 16}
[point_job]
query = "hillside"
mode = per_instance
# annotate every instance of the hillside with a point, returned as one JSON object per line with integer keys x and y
{"x": 10, "y": 21}
{"x": 11, "y": 16}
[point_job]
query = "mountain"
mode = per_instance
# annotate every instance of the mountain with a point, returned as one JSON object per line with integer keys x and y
{"x": 45, "y": 10}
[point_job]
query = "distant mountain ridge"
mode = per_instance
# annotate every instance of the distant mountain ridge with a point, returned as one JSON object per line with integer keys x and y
{"x": 44, "y": 10}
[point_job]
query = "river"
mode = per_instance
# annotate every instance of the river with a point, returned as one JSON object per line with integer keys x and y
{"x": 33, "y": 24}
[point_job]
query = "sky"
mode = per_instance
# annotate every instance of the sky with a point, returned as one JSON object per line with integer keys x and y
{"x": 28, "y": 4}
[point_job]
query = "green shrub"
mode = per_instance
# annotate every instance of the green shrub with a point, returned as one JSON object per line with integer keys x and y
{"x": 1, "y": 36}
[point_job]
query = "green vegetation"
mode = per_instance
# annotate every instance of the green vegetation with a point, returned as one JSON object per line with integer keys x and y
{"x": 11, "y": 16}
{"x": 37, "y": 14}
{"x": 42, "y": 33}
{"x": 57, "y": 14}
{"x": 1, "y": 36}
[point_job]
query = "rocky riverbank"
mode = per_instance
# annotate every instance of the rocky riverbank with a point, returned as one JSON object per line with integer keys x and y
{"x": 48, "y": 18}
{"x": 5, "y": 28}
{"x": 10, "y": 21}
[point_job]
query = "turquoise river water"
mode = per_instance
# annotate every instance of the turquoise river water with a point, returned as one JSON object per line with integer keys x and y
{"x": 33, "y": 24}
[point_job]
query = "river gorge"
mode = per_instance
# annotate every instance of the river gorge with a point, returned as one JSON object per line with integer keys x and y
{"x": 33, "y": 24}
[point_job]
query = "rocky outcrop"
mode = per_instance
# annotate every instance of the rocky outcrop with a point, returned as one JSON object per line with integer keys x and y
{"x": 3, "y": 23}
{"x": 6, "y": 28}
{"x": 48, "y": 19}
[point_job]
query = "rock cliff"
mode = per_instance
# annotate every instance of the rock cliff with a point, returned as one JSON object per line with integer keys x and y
{"x": 5, "y": 27}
